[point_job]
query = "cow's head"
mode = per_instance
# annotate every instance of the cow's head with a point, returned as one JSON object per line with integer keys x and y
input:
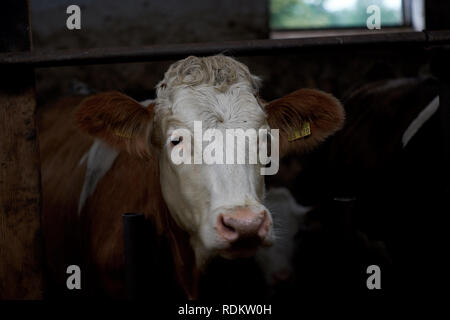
{"x": 219, "y": 205}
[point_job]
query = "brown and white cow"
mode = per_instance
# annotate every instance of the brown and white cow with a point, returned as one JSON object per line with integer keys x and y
{"x": 115, "y": 158}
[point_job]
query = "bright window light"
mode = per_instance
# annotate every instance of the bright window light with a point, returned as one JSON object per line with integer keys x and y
{"x": 311, "y": 14}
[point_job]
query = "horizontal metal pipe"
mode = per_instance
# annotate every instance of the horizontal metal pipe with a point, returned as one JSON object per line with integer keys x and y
{"x": 392, "y": 41}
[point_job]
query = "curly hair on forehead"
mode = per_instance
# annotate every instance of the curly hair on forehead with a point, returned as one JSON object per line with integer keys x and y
{"x": 218, "y": 71}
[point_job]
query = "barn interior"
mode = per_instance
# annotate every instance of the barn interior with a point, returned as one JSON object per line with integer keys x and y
{"x": 371, "y": 201}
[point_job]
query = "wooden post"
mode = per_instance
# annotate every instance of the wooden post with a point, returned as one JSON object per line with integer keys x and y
{"x": 20, "y": 193}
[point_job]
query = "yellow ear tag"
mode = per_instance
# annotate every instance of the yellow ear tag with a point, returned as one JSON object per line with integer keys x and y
{"x": 122, "y": 133}
{"x": 304, "y": 131}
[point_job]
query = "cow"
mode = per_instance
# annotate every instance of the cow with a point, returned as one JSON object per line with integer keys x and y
{"x": 108, "y": 154}
{"x": 389, "y": 160}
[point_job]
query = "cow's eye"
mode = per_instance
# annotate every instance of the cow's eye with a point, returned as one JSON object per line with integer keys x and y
{"x": 176, "y": 140}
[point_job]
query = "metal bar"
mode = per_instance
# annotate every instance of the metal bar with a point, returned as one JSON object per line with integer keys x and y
{"x": 393, "y": 41}
{"x": 133, "y": 237}
{"x": 21, "y": 274}
{"x": 144, "y": 277}
{"x": 407, "y": 13}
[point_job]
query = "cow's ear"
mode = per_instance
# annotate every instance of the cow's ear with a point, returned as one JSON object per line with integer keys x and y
{"x": 305, "y": 118}
{"x": 118, "y": 120}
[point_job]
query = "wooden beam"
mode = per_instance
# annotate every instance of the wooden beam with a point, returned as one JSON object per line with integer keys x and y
{"x": 20, "y": 194}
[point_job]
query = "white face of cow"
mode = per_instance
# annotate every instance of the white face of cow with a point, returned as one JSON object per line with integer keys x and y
{"x": 219, "y": 204}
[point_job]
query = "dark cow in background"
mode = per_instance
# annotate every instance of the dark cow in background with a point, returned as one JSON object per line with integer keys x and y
{"x": 381, "y": 188}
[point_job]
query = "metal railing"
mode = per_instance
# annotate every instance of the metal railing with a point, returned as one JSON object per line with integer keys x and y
{"x": 395, "y": 41}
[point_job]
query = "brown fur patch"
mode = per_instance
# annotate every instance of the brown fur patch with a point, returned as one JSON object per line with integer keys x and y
{"x": 324, "y": 112}
{"x": 132, "y": 185}
{"x": 103, "y": 222}
{"x": 61, "y": 148}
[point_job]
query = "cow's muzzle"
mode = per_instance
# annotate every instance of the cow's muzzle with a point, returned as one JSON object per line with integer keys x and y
{"x": 243, "y": 230}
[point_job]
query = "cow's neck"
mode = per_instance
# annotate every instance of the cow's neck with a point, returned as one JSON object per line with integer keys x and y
{"x": 124, "y": 170}
{"x": 183, "y": 255}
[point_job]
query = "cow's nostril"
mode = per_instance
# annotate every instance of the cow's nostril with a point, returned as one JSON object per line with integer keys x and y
{"x": 243, "y": 225}
{"x": 225, "y": 229}
{"x": 227, "y": 225}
